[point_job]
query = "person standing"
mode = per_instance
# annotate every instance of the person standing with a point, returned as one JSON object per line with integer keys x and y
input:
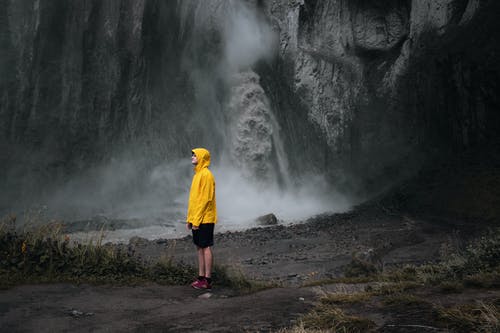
{"x": 202, "y": 215}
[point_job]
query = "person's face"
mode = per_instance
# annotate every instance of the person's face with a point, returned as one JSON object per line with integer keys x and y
{"x": 194, "y": 159}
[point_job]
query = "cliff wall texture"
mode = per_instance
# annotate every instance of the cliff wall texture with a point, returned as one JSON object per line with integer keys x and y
{"x": 390, "y": 84}
{"x": 363, "y": 92}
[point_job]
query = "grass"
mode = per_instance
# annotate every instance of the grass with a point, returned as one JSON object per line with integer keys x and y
{"x": 478, "y": 317}
{"x": 46, "y": 254}
{"x": 391, "y": 288}
{"x": 236, "y": 280}
{"x": 359, "y": 268}
{"x": 404, "y": 299}
{"x": 331, "y": 318}
{"x": 299, "y": 328}
{"x": 359, "y": 297}
{"x": 483, "y": 280}
{"x": 451, "y": 287}
{"x": 476, "y": 265}
{"x": 346, "y": 280}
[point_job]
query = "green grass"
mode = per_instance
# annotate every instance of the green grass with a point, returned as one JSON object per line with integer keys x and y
{"x": 478, "y": 264}
{"x": 45, "y": 254}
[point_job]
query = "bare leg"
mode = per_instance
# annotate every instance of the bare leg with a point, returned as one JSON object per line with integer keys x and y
{"x": 201, "y": 262}
{"x": 207, "y": 257}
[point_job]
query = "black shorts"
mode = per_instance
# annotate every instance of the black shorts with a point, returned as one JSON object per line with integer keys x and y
{"x": 204, "y": 235}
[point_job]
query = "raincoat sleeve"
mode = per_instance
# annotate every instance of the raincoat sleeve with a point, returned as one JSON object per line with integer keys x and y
{"x": 201, "y": 199}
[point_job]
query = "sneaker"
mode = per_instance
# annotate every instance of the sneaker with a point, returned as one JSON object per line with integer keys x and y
{"x": 201, "y": 284}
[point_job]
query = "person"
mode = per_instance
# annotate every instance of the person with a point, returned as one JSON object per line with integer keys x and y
{"x": 202, "y": 215}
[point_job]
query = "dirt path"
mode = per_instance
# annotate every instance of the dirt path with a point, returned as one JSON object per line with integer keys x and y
{"x": 152, "y": 308}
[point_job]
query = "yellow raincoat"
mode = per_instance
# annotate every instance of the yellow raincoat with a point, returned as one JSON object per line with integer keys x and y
{"x": 201, "y": 206}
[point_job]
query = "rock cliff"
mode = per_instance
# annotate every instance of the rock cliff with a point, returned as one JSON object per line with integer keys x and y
{"x": 391, "y": 84}
{"x": 363, "y": 92}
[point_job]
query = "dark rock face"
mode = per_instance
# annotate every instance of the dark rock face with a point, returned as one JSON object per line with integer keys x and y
{"x": 83, "y": 81}
{"x": 391, "y": 83}
{"x": 379, "y": 26}
{"x": 362, "y": 91}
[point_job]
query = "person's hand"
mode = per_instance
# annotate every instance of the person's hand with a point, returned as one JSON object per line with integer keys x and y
{"x": 195, "y": 227}
{"x": 188, "y": 226}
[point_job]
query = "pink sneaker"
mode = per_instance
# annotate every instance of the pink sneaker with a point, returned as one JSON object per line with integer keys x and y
{"x": 201, "y": 284}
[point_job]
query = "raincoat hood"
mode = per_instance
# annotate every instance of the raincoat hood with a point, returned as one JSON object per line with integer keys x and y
{"x": 203, "y": 157}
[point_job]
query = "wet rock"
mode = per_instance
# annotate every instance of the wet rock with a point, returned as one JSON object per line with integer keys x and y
{"x": 268, "y": 219}
{"x": 138, "y": 241}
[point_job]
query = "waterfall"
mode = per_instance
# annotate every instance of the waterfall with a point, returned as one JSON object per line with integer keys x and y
{"x": 254, "y": 141}
{"x": 226, "y": 39}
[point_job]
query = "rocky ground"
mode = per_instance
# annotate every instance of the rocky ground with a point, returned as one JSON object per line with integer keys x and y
{"x": 291, "y": 257}
{"x": 319, "y": 248}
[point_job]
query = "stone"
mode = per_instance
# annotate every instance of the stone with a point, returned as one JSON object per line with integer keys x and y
{"x": 205, "y": 296}
{"x": 76, "y": 313}
{"x": 268, "y": 219}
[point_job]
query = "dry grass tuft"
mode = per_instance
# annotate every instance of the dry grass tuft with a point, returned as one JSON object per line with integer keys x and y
{"x": 404, "y": 300}
{"x": 327, "y": 317}
{"x": 335, "y": 298}
{"x": 479, "y": 317}
{"x": 301, "y": 329}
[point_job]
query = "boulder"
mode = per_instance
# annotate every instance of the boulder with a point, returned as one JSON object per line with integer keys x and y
{"x": 268, "y": 219}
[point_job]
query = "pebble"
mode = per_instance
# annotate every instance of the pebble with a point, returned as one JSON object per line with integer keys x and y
{"x": 76, "y": 313}
{"x": 205, "y": 296}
